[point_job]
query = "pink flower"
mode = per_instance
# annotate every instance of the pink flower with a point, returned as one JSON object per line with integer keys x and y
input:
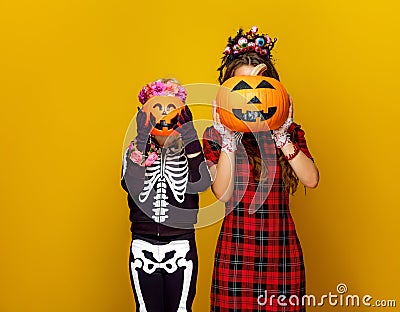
{"x": 142, "y": 96}
{"x": 151, "y": 159}
{"x": 170, "y": 88}
{"x": 158, "y": 88}
{"x": 136, "y": 157}
{"x": 181, "y": 94}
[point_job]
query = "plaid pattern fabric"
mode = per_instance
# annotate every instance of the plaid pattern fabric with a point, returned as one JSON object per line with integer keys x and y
{"x": 258, "y": 255}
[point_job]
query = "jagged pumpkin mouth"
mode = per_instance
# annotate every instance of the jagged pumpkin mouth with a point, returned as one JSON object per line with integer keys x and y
{"x": 251, "y": 116}
{"x": 164, "y": 125}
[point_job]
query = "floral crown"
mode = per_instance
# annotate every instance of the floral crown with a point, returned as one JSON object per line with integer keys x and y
{"x": 250, "y": 41}
{"x": 160, "y": 88}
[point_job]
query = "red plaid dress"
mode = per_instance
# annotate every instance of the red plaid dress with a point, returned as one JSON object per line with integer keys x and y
{"x": 258, "y": 255}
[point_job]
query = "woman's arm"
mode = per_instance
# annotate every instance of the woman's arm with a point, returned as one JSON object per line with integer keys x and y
{"x": 223, "y": 176}
{"x": 303, "y": 166}
{"x": 223, "y": 172}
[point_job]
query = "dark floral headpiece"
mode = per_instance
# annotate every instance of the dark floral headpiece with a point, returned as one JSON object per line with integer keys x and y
{"x": 243, "y": 42}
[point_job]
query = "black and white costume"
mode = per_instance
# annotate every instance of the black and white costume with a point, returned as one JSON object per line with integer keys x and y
{"x": 163, "y": 201}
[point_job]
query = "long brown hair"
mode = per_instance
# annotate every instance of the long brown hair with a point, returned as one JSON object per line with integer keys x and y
{"x": 290, "y": 180}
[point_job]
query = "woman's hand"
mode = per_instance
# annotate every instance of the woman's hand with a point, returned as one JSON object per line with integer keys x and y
{"x": 228, "y": 136}
{"x": 280, "y": 135}
{"x": 223, "y": 172}
{"x": 290, "y": 115}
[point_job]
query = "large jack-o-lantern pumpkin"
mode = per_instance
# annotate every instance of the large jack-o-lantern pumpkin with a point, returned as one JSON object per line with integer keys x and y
{"x": 165, "y": 110}
{"x": 252, "y": 103}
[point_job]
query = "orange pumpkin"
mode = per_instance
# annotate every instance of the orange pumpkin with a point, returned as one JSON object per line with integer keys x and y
{"x": 165, "y": 109}
{"x": 252, "y": 103}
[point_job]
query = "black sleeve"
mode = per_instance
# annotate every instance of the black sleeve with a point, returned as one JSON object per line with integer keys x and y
{"x": 199, "y": 175}
{"x": 133, "y": 176}
{"x": 123, "y": 184}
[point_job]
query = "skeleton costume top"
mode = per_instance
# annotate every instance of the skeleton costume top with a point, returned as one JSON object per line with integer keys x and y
{"x": 163, "y": 197}
{"x": 163, "y": 185}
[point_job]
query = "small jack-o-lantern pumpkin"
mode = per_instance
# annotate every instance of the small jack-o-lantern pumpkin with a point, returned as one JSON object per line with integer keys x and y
{"x": 165, "y": 110}
{"x": 252, "y": 103}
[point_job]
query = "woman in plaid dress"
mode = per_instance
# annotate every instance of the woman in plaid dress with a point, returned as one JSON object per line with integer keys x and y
{"x": 258, "y": 259}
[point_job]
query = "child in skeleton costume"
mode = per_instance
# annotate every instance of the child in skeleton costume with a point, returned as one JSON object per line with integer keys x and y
{"x": 163, "y": 175}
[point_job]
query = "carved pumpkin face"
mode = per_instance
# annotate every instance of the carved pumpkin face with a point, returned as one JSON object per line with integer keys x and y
{"x": 252, "y": 103}
{"x": 165, "y": 109}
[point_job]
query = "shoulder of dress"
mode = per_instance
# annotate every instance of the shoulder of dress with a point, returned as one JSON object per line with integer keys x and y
{"x": 294, "y": 126}
{"x": 210, "y": 133}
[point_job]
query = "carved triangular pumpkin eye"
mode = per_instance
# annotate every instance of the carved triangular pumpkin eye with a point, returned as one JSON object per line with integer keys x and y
{"x": 265, "y": 84}
{"x": 242, "y": 85}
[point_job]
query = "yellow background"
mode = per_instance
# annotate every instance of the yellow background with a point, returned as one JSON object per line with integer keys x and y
{"x": 70, "y": 73}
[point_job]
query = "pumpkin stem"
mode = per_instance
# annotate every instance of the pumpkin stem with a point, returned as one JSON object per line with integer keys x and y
{"x": 259, "y": 69}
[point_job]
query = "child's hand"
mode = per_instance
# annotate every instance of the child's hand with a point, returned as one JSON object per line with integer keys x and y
{"x": 188, "y": 132}
{"x": 185, "y": 125}
{"x": 143, "y": 130}
{"x": 185, "y": 120}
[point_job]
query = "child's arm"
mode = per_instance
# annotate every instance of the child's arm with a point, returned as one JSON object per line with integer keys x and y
{"x": 132, "y": 180}
{"x": 133, "y": 174}
{"x": 199, "y": 175}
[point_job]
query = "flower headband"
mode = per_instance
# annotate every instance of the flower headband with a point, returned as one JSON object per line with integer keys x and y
{"x": 250, "y": 41}
{"x": 159, "y": 88}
